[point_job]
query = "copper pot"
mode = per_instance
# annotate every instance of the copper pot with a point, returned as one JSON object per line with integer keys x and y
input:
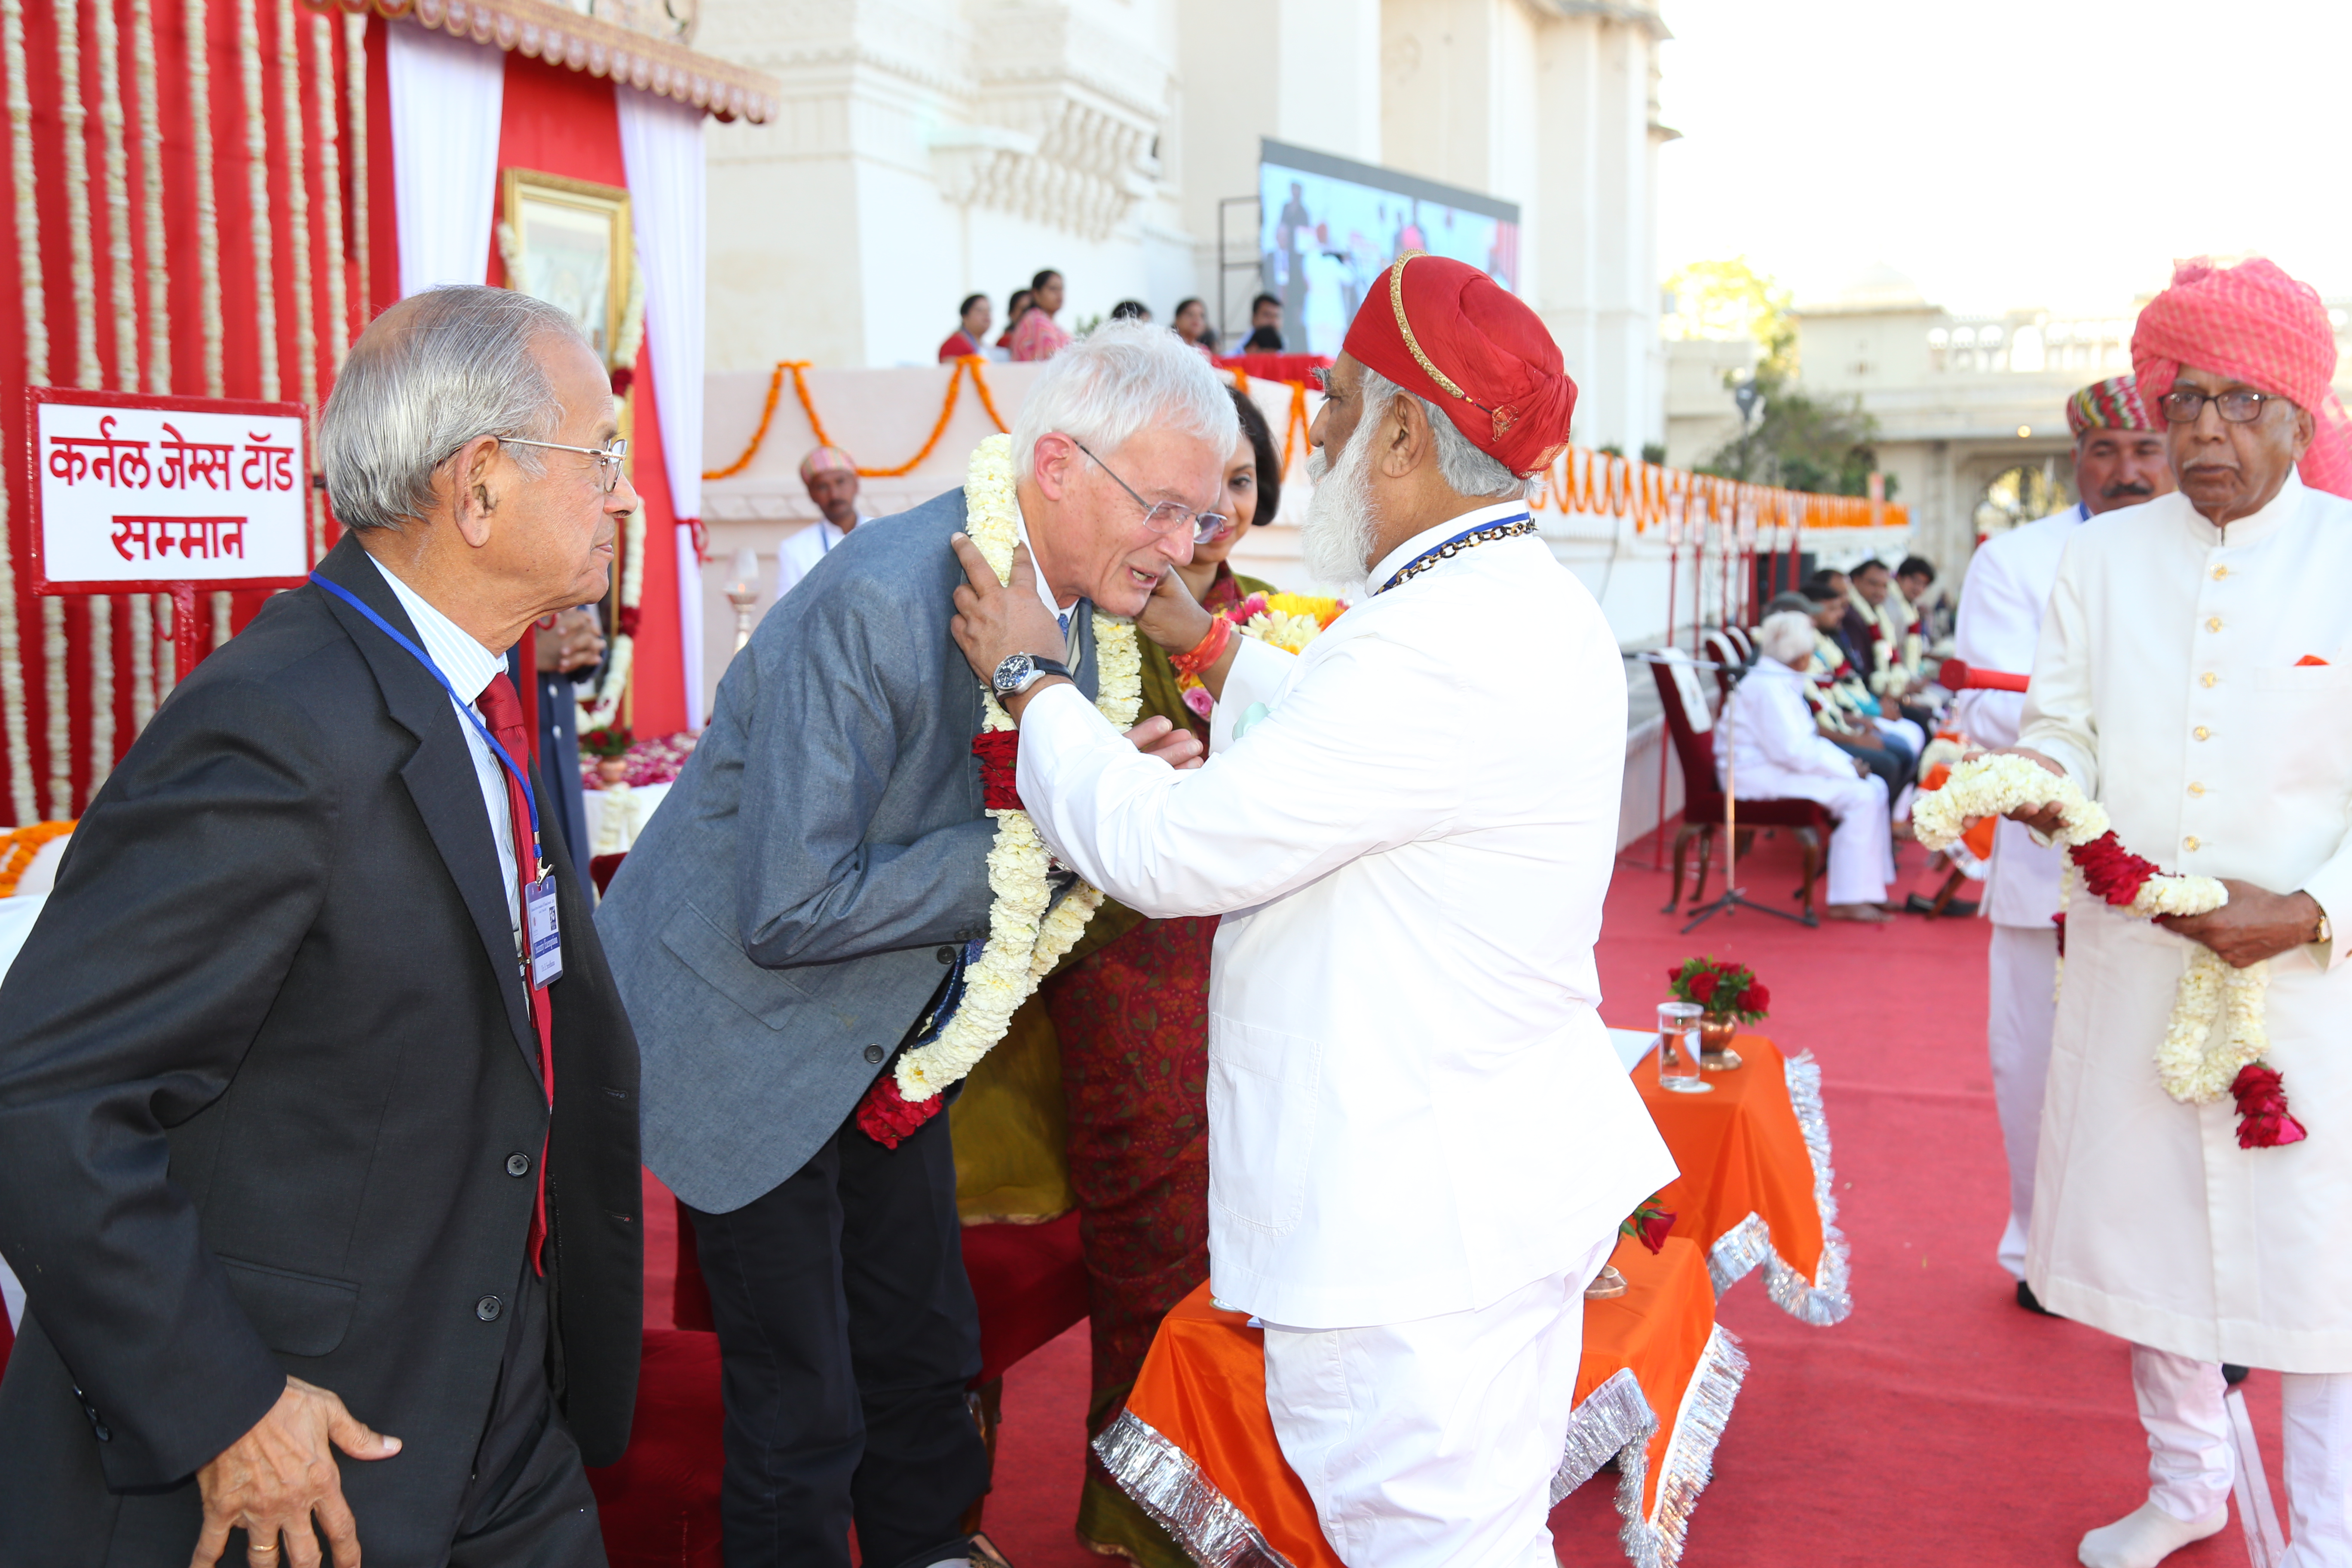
{"x": 1714, "y": 1052}
{"x": 611, "y": 771}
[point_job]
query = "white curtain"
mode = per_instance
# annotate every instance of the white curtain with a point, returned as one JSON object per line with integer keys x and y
{"x": 661, "y": 143}
{"x": 446, "y": 96}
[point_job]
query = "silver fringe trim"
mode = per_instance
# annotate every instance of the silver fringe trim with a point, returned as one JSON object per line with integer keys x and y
{"x": 1657, "y": 1541}
{"x": 1826, "y": 1298}
{"x": 1615, "y": 1422}
{"x": 1163, "y": 1479}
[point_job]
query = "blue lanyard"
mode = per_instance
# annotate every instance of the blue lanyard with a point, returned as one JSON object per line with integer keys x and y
{"x": 1515, "y": 525}
{"x": 530, "y": 796}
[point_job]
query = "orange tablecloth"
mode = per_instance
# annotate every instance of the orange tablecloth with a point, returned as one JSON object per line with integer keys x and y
{"x": 1196, "y": 1446}
{"x": 1756, "y": 1185}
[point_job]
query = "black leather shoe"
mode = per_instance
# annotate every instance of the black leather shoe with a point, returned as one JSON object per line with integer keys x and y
{"x": 2233, "y": 1375}
{"x": 2025, "y": 1299}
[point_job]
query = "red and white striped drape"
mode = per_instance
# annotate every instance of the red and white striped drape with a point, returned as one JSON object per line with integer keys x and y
{"x": 191, "y": 204}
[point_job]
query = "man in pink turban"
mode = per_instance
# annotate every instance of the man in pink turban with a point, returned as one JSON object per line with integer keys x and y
{"x": 2193, "y": 674}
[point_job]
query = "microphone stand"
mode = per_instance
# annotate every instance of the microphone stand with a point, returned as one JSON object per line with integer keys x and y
{"x": 1733, "y": 896}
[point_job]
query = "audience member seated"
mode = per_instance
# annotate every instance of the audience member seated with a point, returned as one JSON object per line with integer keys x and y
{"x": 1847, "y": 715}
{"x": 1130, "y": 311}
{"x": 1191, "y": 323}
{"x": 1896, "y": 648}
{"x": 1265, "y": 327}
{"x": 1770, "y": 733}
{"x": 971, "y": 331}
{"x": 1035, "y": 335}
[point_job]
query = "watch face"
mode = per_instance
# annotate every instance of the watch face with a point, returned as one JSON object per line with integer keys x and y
{"x": 1012, "y": 672}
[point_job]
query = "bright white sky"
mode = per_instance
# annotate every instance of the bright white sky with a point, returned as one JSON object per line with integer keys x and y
{"x": 2007, "y": 153}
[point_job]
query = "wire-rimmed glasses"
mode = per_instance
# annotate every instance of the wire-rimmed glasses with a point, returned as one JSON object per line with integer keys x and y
{"x": 1167, "y": 516}
{"x": 608, "y": 459}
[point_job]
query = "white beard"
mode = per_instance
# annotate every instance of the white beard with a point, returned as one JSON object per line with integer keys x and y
{"x": 1336, "y": 538}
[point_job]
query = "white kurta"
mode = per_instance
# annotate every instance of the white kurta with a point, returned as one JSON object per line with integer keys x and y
{"x": 1769, "y": 730}
{"x": 2008, "y": 584}
{"x": 2168, "y": 683}
{"x": 1413, "y": 1108}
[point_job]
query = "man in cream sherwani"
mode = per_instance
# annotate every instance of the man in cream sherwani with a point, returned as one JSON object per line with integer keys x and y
{"x": 2194, "y": 674}
{"x": 1420, "y": 1144}
{"x": 2119, "y": 461}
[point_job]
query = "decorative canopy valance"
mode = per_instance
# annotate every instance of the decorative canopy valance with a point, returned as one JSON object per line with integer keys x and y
{"x": 560, "y": 36}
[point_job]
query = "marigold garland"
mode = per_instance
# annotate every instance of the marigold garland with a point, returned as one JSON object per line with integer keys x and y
{"x": 965, "y": 364}
{"x": 2216, "y": 1033}
{"x": 1028, "y": 933}
{"x": 24, "y": 844}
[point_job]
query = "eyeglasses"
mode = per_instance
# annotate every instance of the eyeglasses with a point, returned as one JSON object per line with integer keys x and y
{"x": 608, "y": 459}
{"x": 2239, "y": 406}
{"x": 1167, "y": 516}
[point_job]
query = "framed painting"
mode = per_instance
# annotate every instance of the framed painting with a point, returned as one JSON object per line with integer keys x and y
{"x": 568, "y": 242}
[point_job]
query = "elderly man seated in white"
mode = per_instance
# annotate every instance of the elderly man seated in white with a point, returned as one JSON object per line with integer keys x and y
{"x": 1421, "y": 1144}
{"x": 1771, "y": 750}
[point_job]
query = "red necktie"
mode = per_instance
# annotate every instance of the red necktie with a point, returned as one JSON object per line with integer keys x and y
{"x": 503, "y": 710}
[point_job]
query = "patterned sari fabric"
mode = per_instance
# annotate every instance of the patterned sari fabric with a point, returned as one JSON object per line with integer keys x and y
{"x": 1133, "y": 1021}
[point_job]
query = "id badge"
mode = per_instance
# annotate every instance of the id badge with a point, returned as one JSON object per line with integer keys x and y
{"x": 546, "y": 938}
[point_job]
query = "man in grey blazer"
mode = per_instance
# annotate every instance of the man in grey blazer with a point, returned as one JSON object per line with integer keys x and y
{"x": 803, "y": 907}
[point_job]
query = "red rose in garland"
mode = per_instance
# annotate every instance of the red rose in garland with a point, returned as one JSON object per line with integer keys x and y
{"x": 2263, "y": 1121}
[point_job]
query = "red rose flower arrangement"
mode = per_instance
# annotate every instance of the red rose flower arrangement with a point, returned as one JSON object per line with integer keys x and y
{"x": 1650, "y": 1222}
{"x": 2262, "y": 1118}
{"x": 1726, "y": 990}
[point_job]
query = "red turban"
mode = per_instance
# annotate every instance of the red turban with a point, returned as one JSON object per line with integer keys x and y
{"x": 2253, "y": 322}
{"x": 1445, "y": 330}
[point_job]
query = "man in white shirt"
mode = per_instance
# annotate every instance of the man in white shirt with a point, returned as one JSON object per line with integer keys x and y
{"x": 831, "y": 476}
{"x": 1420, "y": 1144}
{"x": 2119, "y": 460}
{"x": 2192, "y": 676}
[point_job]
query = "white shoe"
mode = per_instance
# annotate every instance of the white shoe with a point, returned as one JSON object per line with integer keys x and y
{"x": 2146, "y": 1537}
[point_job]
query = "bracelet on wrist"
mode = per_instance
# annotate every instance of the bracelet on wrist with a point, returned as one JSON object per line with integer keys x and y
{"x": 1205, "y": 652}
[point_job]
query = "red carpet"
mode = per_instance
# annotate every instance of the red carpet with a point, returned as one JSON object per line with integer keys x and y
{"x": 1938, "y": 1424}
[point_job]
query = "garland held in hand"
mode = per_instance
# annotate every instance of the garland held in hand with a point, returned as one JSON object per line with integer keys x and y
{"x": 2196, "y": 1063}
{"x": 1028, "y": 930}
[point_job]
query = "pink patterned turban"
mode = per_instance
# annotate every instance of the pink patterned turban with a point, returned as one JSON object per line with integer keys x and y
{"x": 2253, "y": 322}
{"x": 826, "y": 461}
{"x": 2110, "y": 405}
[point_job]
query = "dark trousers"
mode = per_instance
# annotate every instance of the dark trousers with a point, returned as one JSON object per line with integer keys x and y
{"x": 527, "y": 1504}
{"x": 847, "y": 1337}
{"x": 1891, "y": 760}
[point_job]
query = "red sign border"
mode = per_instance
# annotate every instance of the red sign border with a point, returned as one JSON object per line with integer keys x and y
{"x": 38, "y": 581}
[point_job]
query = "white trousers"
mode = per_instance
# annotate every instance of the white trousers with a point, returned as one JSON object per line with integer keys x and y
{"x": 1862, "y": 845}
{"x": 2022, "y": 969}
{"x": 1434, "y": 1442}
{"x": 2189, "y": 1459}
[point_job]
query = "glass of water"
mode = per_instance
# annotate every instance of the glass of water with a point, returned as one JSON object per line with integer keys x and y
{"x": 1678, "y": 1047}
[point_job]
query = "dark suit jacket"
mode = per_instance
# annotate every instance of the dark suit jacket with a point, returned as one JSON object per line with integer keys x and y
{"x": 264, "y": 1064}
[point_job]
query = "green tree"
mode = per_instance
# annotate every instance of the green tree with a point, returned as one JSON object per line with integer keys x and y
{"x": 1730, "y": 299}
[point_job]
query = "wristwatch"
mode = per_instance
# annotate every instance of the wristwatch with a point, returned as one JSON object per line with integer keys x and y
{"x": 1021, "y": 671}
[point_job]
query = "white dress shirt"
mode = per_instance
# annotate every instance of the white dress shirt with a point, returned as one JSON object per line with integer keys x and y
{"x": 796, "y": 557}
{"x": 469, "y": 666}
{"x": 1413, "y": 1108}
{"x": 2000, "y": 620}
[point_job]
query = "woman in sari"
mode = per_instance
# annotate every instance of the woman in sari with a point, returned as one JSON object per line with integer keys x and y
{"x": 1133, "y": 1020}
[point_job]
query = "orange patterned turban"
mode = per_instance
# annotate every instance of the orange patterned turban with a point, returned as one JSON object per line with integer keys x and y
{"x": 2255, "y": 323}
{"x": 1446, "y": 331}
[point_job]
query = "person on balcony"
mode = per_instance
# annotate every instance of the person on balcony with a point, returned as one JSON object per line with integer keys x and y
{"x": 2119, "y": 461}
{"x": 972, "y": 329}
{"x": 1769, "y": 735}
{"x": 1036, "y": 336}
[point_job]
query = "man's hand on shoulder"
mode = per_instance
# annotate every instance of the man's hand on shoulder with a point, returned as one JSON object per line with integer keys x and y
{"x": 1172, "y": 743}
{"x": 995, "y": 620}
{"x": 277, "y": 1476}
{"x": 2255, "y": 924}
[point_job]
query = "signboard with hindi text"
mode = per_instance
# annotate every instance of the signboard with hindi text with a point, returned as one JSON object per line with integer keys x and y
{"x": 138, "y": 494}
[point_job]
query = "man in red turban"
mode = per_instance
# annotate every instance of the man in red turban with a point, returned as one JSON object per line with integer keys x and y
{"x": 1408, "y": 831}
{"x": 2190, "y": 676}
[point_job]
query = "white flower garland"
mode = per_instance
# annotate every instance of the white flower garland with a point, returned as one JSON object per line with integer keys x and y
{"x": 2193, "y": 1066}
{"x": 1024, "y": 941}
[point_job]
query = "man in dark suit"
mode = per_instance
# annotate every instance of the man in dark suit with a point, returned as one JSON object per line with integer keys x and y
{"x": 806, "y": 899}
{"x": 277, "y": 1162}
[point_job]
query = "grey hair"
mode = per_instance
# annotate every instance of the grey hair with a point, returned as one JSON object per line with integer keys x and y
{"x": 1785, "y": 634}
{"x": 1123, "y": 378}
{"x": 1466, "y": 470}
{"x": 431, "y": 373}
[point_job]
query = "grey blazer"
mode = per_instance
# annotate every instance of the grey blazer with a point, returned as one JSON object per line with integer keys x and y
{"x": 784, "y": 918}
